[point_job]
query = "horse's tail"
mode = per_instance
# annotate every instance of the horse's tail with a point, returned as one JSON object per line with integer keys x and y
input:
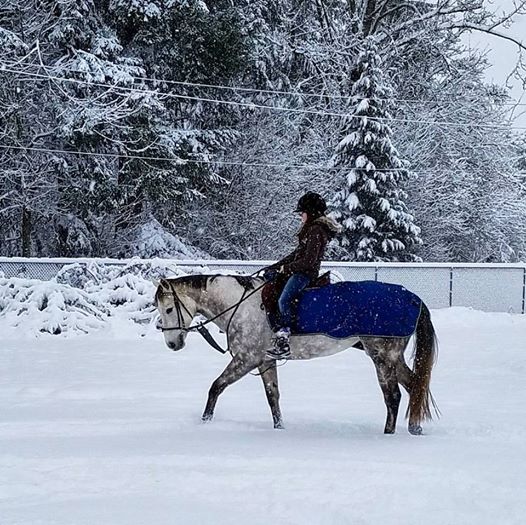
{"x": 421, "y": 401}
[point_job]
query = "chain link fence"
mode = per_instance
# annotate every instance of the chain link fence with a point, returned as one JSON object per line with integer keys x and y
{"x": 488, "y": 287}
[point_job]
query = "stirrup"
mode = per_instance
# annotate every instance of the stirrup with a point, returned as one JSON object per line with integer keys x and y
{"x": 280, "y": 350}
{"x": 274, "y": 353}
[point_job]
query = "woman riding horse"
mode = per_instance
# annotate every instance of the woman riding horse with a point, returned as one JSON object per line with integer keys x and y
{"x": 300, "y": 268}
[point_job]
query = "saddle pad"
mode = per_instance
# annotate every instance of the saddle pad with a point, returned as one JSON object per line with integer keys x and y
{"x": 365, "y": 308}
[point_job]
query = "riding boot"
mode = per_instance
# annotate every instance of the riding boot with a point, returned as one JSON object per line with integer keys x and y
{"x": 281, "y": 348}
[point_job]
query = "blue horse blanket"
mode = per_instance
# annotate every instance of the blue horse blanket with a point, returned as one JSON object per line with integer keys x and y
{"x": 366, "y": 308}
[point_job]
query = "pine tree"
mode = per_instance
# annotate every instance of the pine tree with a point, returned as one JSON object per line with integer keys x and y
{"x": 112, "y": 196}
{"x": 370, "y": 204}
{"x": 183, "y": 41}
{"x": 95, "y": 116}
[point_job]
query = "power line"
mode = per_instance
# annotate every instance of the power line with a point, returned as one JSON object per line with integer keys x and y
{"x": 183, "y": 162}
{"x": 179, "y": 161}
{"x": 512, "y": 103}
{"x": 261, "y": 106}
{"x": 303, "y": 94}
{"x": 249, "y": 105}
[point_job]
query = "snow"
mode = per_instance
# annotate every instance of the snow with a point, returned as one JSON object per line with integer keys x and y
{"x": 152, "y": 240}
{"x": 82, "y": 298}
{"x": 45, "y": 306}
{"x": 104, "y": 429}
{"x": 368, "y": 223}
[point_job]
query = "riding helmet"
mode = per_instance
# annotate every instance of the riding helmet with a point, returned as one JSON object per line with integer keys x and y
{"x": 312, "y": 203}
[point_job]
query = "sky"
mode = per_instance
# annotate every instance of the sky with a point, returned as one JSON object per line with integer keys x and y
{"x": 502, "y": 55}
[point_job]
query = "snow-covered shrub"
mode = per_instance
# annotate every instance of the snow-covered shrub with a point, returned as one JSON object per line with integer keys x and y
{"x": 79, "y": 275}
{"x": 86, "y": 296}
{"x": 149, "y": 270}
{"x": 92, "y": 273}
{"x": 128, "y": 296}
{"x": 47, "y": 306}
{"x": 152, "y": 240}
{"x": 129, "y": 290}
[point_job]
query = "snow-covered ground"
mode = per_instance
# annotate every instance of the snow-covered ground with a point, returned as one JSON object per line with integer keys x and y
{"x": 104, "y": 429}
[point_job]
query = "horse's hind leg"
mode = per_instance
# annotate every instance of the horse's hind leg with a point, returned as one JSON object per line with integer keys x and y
{"x": 235, "y": 370}
{"x": 385, "y": 354}
{"x": 405, "y": 375}
{"x": 269, "y": 375}
{"x": 406, "y": 378}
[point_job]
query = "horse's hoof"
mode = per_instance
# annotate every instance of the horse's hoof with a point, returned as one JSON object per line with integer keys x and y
{"x": 415, "y": 430}
{"x": 206, "y": 418}
{"x": 279, "y": 426}
{"x": 389, "y": 431}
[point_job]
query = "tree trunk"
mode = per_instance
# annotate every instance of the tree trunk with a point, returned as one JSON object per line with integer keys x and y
{"x": 370, "y": 8}
{"x": 26, "y": 232}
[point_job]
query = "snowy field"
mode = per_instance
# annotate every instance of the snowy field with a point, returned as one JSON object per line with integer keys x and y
{"x": 104, "y": 430}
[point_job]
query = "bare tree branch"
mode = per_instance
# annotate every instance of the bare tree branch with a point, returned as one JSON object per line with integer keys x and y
{"x": 485, "y": 29}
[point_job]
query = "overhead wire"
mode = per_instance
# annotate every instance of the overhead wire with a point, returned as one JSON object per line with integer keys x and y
{"x": 252, "y": 105}
{"x": 202, "y": 85}
{"x": 177, "y": 160}
{"x": 182, "y": 161}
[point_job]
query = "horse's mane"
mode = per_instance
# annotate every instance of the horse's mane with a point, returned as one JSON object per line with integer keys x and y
{"x": 200, "y": 282}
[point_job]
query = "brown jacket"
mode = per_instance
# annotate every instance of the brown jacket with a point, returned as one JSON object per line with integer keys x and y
{"x": 313, "y": 238}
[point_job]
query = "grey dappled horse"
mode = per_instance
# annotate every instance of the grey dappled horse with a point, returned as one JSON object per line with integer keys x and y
{"x": 249, "y": 336}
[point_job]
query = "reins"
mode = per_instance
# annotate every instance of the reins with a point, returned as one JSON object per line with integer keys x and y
{"x": 200, "y": 327}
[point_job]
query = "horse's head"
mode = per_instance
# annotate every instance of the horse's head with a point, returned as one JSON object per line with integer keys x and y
{"x": 177, "y": 310}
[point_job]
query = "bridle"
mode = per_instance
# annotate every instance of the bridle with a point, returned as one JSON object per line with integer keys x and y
{"x": 201, "y": 327}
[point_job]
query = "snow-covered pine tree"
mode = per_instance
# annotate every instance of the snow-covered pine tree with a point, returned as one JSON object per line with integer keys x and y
{"x": 98, "y": 115}
{"x": 110, "y": 108}
{"x": 370, "y": 202}
{"x": 185, "y": 41}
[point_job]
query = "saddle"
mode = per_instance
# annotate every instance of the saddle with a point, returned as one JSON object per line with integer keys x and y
{"x": 354, "y": 309}
{"x": 272, "y": 291}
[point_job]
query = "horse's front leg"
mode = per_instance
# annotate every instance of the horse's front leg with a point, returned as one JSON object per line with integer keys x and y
{"x": 269, "y": 375}
{"x": 240, "y": 366}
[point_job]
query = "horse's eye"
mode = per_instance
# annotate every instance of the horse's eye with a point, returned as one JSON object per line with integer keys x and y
{"x": 169, "y": 310}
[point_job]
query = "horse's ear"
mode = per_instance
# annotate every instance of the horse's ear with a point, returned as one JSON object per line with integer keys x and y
{"x": 165, "y": 285}
{"x": 156, "y": 283}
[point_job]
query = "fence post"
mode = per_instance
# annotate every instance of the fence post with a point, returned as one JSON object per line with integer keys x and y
{"x": 523, "y": 287}
{"x": 450, "y": 287}
{"x": 376, "y": 273}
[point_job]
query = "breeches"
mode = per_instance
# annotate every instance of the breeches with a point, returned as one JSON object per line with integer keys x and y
{"x": 295, "y": 285}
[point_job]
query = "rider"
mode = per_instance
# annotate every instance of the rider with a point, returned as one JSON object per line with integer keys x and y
{"x": 301, "y": 267}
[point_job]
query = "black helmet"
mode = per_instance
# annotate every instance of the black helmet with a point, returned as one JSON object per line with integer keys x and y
{"x": 312, "y": 203}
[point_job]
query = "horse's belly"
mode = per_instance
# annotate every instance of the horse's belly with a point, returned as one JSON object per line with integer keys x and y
{"x": 311, "y": 346}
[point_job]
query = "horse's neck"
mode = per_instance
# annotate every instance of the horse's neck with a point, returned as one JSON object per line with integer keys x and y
{"x": 222, "y": 294}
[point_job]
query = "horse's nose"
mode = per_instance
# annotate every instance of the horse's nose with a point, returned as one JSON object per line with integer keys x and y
{"x": 171, "y": 345}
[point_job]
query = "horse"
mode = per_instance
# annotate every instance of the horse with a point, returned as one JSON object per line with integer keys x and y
{"x": 234, "y": 304}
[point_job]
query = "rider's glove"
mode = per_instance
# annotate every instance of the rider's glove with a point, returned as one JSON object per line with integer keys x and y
{"x": 270, "y": 275}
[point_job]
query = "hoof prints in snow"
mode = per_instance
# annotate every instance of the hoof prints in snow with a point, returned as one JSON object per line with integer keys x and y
{"x": 103, "y": 431}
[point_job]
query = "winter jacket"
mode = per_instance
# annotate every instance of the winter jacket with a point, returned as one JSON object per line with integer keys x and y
{"x": 313, "y": 239}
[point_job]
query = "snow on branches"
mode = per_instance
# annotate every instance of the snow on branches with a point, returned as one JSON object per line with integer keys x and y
{"x": 370, "y": 200}
{"x": 83, "y": 298}
{"x": 35, "y": 307}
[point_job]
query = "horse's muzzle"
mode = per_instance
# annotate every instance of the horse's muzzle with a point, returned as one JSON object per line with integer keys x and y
{"x": 175, "y": 345}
